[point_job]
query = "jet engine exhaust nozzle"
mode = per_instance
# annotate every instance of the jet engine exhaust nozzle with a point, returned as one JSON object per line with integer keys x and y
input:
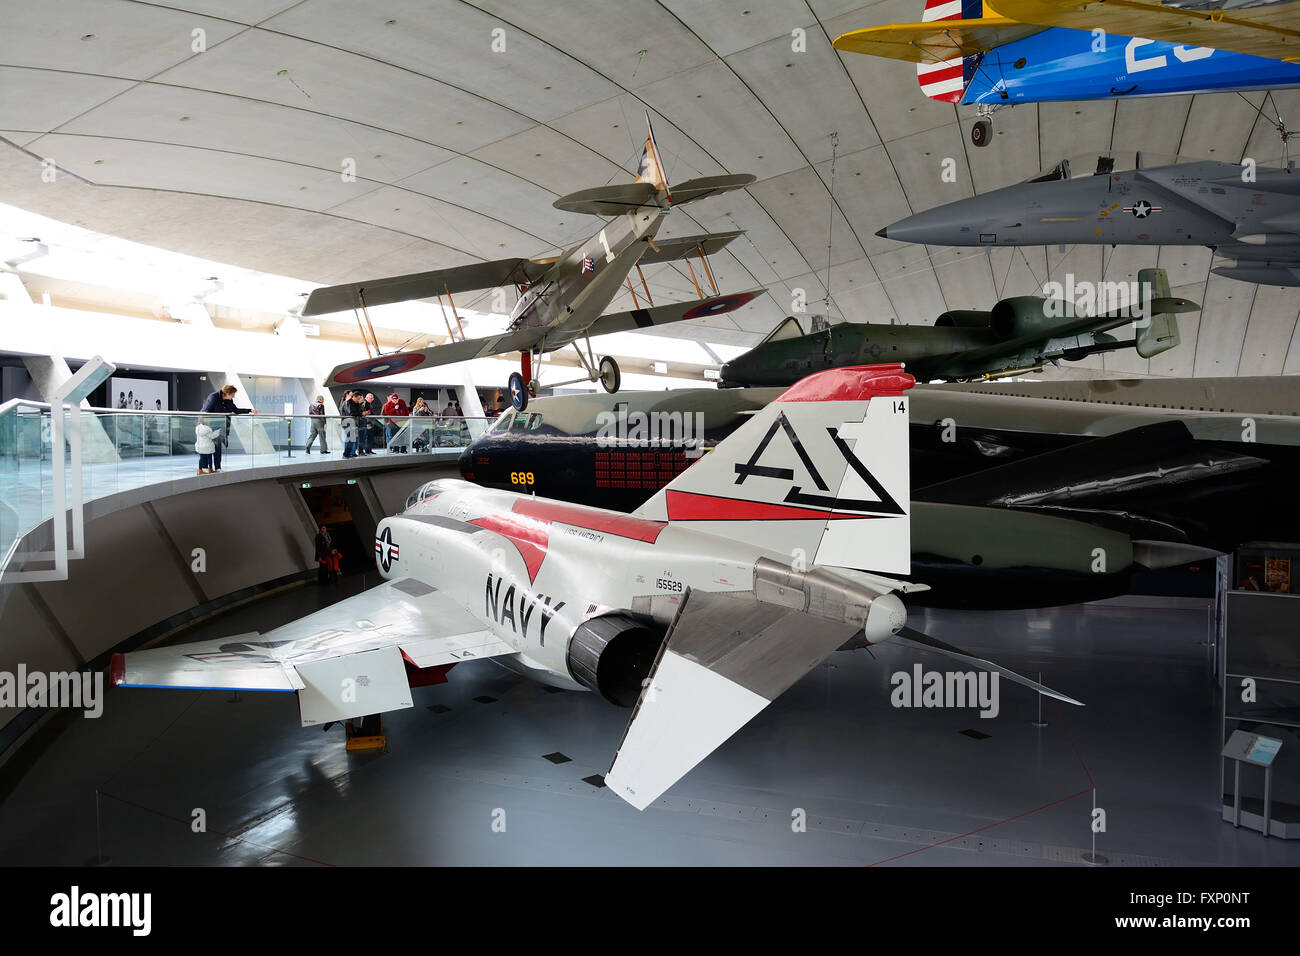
{"x": 612, "y": 654}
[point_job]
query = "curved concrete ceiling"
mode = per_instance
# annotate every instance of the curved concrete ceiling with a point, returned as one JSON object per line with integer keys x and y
{"x": 466, "y": 120}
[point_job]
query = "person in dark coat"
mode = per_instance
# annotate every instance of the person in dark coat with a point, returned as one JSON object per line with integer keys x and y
{"x": 223, "y": 402}
{"x": 351, "y": 409}
{"x": 369, "y": 424}
{"x": 317, "y": 412}
{"x": 327, "y": 556}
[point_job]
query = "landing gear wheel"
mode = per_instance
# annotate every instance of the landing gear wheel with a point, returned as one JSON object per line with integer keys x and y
{"x": 518, "y": 392}
{"x": 982, "y": 132}
{"x": 610, "y": 379}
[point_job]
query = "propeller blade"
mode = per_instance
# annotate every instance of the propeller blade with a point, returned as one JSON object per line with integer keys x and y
{"x": 915, "y": 638}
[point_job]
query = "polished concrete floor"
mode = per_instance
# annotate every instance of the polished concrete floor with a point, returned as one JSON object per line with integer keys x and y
{"x": 466, "y": 779}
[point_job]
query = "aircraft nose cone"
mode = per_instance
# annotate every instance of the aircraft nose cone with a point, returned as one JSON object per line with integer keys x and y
{"x": 466, "y": 460}
{"x": 883, "y": 233}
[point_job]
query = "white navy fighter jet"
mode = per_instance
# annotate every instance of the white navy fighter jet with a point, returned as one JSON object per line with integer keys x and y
{"x": 778, "y": 548}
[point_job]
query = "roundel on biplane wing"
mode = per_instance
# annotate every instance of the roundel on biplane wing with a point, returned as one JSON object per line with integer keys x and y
{"x": 393, "y": 364}
{"x": 726, "y": 303}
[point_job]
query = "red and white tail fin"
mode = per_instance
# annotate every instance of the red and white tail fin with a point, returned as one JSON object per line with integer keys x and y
{"x": 820, "y": 474}
{"x": 944, "y": 81}
{"x": 651, "y": 168}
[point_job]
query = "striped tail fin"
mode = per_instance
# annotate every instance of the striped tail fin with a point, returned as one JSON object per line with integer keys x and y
{"x": 946, "y": 81}
{"x": 821, "y": 474}
{"x": 651, "y": 168}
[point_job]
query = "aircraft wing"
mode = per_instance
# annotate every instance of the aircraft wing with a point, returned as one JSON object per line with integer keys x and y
{"x": 396, "y": 363}
{"x": 423, "y": 285}
{"x": 936, "y": 41}
{"x": 346, "y": 660}
{"x": 1268, "y": 29}
{"x": 670, "y": 250}
{"x": 635, "y": 319}
{"x": 726, "y": 657}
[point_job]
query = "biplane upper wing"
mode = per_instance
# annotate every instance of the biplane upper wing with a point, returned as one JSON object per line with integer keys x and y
{"x": 936, "y": 41}
{"x": 1267, "y": 29}
{"x": 423, "y": 285}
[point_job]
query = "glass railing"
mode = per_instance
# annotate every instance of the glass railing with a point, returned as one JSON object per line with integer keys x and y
{"x": 122, "y": 450}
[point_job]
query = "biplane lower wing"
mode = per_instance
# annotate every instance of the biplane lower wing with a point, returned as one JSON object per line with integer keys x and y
{"x": 1263, "y": 29}
{"x": 636, "y": 319}
{"x": 423, "y": 285}
{"x": 936, "y": 41}
{"x": 672, "y": 250}
{"x": 399, "y": 363}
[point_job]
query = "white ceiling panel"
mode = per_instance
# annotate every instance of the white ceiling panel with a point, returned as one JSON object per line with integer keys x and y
{"x": 105, "y": 37}
{"x": 235, "y": 153}
{"x": 185, "y": 117}
{"x": 38, "y": 101}
{"x": 281, "y": 69}
{"x": 493, "y": 60}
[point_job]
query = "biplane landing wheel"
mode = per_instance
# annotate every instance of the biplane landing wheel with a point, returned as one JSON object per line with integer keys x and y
{"x": 518, "y": 391}
{"x": 982, "y": 132}
{"x": 610, "y": 379}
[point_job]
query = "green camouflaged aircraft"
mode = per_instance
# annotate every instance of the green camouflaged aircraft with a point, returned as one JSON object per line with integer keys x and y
{"x": 1019, "y": 335}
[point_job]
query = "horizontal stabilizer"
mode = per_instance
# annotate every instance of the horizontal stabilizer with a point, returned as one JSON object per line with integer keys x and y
{"x": 1160, "y": 334}
{"x": 911, "y": 636}
{"x": 422, "y": 285}
{"x": 726, "y": 657}
{"x": 608, "y": 200}
{"x": 935, "y": 41}
{"x": 1262, "y": 29}
{"x": 706, "y": 186}
{"x": 671, "y": 250}
{"x": 635, "y": 319}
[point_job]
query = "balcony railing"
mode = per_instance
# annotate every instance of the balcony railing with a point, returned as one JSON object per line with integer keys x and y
{"x": 122, "y": 450}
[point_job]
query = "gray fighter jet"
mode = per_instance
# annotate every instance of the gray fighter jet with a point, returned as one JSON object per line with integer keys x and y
{"x": 1245, "y": 213}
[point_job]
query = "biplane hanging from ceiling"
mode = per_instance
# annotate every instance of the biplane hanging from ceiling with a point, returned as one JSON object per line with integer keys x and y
{"x": 562, "y": 299}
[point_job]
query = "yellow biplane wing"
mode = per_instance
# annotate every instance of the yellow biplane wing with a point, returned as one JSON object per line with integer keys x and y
{"x": 936, "y": 41}
{"x": 1268, "y": 29}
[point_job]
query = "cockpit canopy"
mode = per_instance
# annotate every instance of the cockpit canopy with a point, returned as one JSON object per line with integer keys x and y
{"x": 424, "y": 492}
{"x": 513, "y": 421}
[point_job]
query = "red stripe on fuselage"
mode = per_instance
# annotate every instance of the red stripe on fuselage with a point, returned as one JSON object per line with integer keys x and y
{"x": 528, "y": 535}
{"x": 592, "y": 519}
{"x": 528, "y": 526}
